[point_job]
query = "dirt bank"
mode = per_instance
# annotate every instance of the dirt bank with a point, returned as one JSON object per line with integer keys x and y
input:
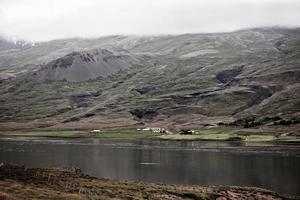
{"x": 36, "y": 183}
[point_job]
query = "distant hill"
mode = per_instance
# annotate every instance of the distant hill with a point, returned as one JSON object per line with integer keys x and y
{"x": 248, "y": 77}
{"x": 7, "y": 44}
{"x": 84, "y": 65}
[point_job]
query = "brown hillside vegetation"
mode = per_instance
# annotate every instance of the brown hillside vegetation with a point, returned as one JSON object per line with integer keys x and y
{"x": 36, "y": 183}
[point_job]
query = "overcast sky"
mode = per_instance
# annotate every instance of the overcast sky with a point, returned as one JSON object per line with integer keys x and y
{"x": 51, "y": 19}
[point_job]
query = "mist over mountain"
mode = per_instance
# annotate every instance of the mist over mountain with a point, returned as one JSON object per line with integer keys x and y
{"x": 6, "y": 44}
{"x": 171, "y": 81}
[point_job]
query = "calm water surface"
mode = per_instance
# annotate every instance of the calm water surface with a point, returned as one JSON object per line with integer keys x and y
{"x": 204, "y": 163}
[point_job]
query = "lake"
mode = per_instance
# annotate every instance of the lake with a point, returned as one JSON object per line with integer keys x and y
{"x": 176, "y": 162}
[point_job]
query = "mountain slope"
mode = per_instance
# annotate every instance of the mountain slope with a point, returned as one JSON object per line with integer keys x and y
{"x": 83, "y": 66}
{"x": 8, "y": 45}
{"x": 171, "y": 81}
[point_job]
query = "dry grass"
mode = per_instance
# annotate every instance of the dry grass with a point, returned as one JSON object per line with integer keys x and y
{"x": 5, "y": 196}
{"x": 28, "y": 183}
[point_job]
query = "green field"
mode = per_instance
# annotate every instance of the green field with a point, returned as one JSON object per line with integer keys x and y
{"x": 40, "y": 133}
{"x": 212, "y": 134}
{"x": 126, "y": 134}
{"x": 228, "y": 134}
{"x": 102, "y": 134}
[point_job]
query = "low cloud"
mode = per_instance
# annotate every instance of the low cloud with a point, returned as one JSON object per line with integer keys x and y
{"x": 51, "y": 19}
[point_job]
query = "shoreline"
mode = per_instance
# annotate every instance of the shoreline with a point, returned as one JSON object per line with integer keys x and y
{"x": 205, "y": 135}
{"x": 157, "y": 139}
{"x": 17, "y": 182}
{"x": 283, "y": 148}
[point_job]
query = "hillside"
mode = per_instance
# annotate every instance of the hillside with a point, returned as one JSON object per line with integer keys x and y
{"x": 172, "y": 81}
{"x": 6, "y": 44}
{"x": 84, "y": 65}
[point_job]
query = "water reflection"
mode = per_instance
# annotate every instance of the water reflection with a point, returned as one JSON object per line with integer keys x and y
{"x": 204, "y": 163}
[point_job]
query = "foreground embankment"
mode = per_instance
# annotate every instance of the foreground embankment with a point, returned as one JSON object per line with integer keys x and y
{"x": 38, "y": 183}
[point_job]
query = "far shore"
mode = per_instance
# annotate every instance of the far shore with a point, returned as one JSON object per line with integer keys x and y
{"x": 211, "y": 134}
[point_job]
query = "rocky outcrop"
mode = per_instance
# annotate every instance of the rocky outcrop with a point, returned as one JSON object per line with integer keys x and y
{"x": 228, "y": 75}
